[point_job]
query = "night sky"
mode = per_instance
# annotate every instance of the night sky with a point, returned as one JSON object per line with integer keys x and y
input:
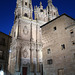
{"x": 7, "y": 8}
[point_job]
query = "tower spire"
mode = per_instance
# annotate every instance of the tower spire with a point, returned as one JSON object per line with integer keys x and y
{"x": 52, "y": 11}
{"x": 40, "y": 3}
{"x": 49, "y": 1}
{"x": 27, "y": 5}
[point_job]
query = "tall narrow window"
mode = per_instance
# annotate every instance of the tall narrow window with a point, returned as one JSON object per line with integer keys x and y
{"x": 48, "y": 12}
{"x": 63, "y": 46}
{"x": 48, "y": 51}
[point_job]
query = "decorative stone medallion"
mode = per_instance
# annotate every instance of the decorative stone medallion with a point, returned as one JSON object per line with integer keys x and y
{"x": 25, "y": 53}
{"x": 25, "y": 30}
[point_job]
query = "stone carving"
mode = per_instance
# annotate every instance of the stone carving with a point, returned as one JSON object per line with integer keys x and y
{"x": 25, "y": 30}
{"x": 25, "y": 53}
{"x": 13, "y": 55}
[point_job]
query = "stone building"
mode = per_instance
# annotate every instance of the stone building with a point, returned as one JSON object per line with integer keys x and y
{"x": 4, "y": 53}
{"x": 58, "y": 37}
{"x": 26, "y": 46}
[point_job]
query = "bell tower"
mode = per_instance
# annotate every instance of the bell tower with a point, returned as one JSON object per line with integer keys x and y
{"x": 52, "y": 11}
{"x": 27, "y": 8}
{"x": 23, "y": 9}
{"x": 49, "y": 9}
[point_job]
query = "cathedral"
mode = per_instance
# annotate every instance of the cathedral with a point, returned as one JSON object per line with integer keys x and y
{"x": 29, "y": 39}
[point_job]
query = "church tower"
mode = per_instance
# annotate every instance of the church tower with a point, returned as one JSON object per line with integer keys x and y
{"x": 51, "y": 11}
{"x": 26, "y": 45}
{"x": 24, "y": 9}
{"x": 40, "y": 13}
{"x": 45, "y": 15}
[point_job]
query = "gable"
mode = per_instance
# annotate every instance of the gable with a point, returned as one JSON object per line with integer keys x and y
{"x": 66, "y": 17}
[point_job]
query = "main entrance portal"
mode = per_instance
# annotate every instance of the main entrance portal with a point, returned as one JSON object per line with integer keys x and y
{"x": 24, "y": 71}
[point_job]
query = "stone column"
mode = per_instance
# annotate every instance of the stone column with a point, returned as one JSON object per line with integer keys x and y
{"x": 19, "y": 29}
{"x": 37, "y": 58}
{"x": 37, "y": 46}
{"x": 31, "y": 50}
{"x": 31, "y": 61}
{"x": 18, "y": 59}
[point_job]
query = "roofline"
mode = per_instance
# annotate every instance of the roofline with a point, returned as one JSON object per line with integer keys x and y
{"x": 6, "y": 34}
{"x": 55, "y": 19}
{"x": 70, "y": 26}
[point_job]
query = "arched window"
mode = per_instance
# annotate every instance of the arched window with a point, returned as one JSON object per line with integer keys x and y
{"x": 41, "y": 10}
{"x": 25, "y": 15}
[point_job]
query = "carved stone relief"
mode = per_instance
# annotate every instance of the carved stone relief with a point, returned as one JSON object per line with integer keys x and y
{"x": 25, "y": 30}
{"x": 25, "y": 53}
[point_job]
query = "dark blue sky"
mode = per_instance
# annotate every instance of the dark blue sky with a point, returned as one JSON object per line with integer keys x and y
{"x": 7, "y": 8}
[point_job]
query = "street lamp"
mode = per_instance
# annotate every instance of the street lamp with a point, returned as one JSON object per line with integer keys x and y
{"x": 1, "y": 72}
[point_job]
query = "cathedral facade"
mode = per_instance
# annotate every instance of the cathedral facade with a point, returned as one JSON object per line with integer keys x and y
{"x": 26, "y": 46}
{"x": 44, "y": 45}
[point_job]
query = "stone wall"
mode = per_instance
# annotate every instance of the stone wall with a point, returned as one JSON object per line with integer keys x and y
{"x": 57, "y": 37}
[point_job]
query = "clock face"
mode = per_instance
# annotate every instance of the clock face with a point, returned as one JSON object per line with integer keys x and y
{"x": 25, "y": 53}
{"x": 25, "y": 30}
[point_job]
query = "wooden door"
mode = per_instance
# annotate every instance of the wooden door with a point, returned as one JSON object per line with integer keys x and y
{"x": 24, "y": 70}
{"x": 61, "y": 72}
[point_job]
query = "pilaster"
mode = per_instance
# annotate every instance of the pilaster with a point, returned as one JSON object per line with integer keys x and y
{"x": 18, "y": 58}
